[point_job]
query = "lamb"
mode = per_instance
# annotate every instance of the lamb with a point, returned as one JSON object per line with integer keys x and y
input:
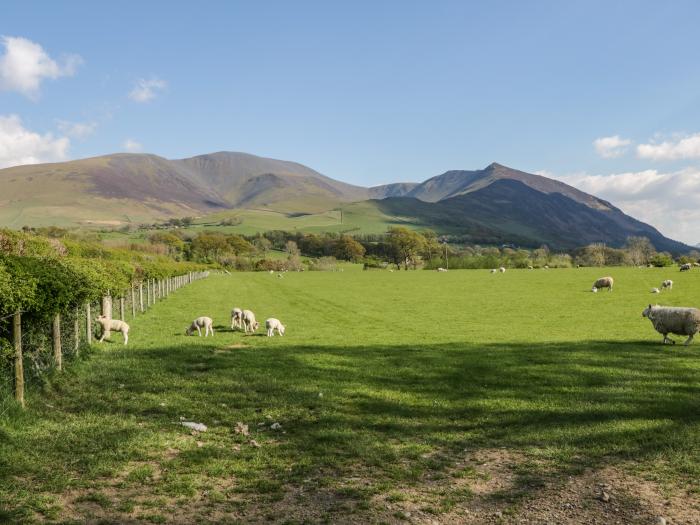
{"x": 502, "y": 269}
{"x": 674, "y": 320}
{"x": 236, "y": 318}
{"x": 603, "y": 282}
{"x": 273, "y": 324}
{"x": 668, "y": 283}
{"x": 249, "y": 321}
{"x": 686, "y": 267}
{"x": 198, "y": 324}
{"x": 109, "y": 325}
{"x": 655, "y": 290}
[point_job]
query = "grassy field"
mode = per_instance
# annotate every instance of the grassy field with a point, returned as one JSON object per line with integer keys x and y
{"x": 426, "y": 397}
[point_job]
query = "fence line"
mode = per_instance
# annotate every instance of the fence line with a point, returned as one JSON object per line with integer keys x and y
{"x": 40, "y": 346}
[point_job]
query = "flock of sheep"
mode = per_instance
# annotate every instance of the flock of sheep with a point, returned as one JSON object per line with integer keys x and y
{"x": 665, "y": 319}
{"x": 241, "y": 319}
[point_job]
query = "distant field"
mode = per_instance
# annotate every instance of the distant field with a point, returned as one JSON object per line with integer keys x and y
{"x": 459, "y": 397}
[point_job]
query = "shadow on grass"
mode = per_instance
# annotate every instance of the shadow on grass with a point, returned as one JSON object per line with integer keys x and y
{"x": 395, "y": 415}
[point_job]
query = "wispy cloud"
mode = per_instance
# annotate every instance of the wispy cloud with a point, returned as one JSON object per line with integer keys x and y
{"x": 146, "y": 90}
{"x": 132, "y": 146}
{"x": 19, "y": 145}
{"x": 685, "y": 147}
{"x": 78, "y": 130}
{"x": 670, "y": 201}
{"x": 25, "y": 64}
{"x": 611, "y": 147}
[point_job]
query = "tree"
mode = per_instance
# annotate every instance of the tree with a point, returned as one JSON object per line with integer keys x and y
{"x": 431, "y": 247}
{"x": 292, "y": 249}
{"x": 262, "y": 245}
{"x": 348, "y": 249}
{"x": 639, "y": 250}
{"x": 404, "y": 245}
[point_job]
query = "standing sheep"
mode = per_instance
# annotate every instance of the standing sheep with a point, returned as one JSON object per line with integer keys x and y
{"x": 198, "y": 324}
{"x": 249, "y": 321}
{"x": 603, "y": 282}
{"x": 494, "y": 270}
{"x": 668, "y": 283}
{"x": 686, "y": 267}
{"x": 273, "y": 324}
{"x": 502, "y": 269}
{"x": 673, "y": 320}
{"x": 109, "y": 325}
{"x": 236, "y": 318}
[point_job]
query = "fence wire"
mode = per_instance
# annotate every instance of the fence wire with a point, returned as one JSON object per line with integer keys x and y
{"x": 38, "y": 340}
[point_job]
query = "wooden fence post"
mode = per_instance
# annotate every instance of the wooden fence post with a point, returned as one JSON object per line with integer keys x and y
{"x": 88, "y": 324}
{"x": 148, "y": 293}
{"x": 76, "y": 330}
{"x": 57, "y": 354}
{"x": 19, "y": 360}
{"x": 133, "y": 301}
{"x": 107, "y": 306}
{"x": 141, "y": 295}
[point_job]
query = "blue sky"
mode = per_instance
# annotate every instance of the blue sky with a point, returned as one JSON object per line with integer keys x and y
{"x": 371, "y": 92}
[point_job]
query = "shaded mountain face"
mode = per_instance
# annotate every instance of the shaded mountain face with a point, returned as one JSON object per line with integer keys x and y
{"x": 510, "y": 210}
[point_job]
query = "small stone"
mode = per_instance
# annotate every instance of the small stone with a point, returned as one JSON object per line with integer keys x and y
{"x": 236, "y": 447}
{"x": 200, "y": 444}
{"x": 241, "y": 428}
{"x": 660, "y": 521}
{"x": 275, "y": 426}
{"x": 254, "y": 443}
{"x": 604, "y": 496}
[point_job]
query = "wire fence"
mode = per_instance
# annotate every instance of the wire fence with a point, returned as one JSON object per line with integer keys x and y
{"x": 28, "y": 358}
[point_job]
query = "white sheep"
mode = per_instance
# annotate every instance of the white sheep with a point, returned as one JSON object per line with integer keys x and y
{"x": 686, "y": 267}
{"x": 668, "y": 283}
{"x": 603, "y": 282}
{"x": 441, "y": 270}
{"x": 273, "y": 324}
{"x": 112, "y": 325}
{"x": 674, "y": 320}
{"x": 236, "y": 318}
{"x": 249, "y": 321}
{"x": 530, "y": 267}
{"x": 494, "y": 270}
{"x": 655, "y": 290}
{"x": 198, "y": 324}
{"x": 502, "y": 269}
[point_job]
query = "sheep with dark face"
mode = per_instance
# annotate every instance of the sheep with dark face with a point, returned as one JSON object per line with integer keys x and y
{"x": 673, "y": 320}
{"x": 603, "y": 282}
{"x": 668, "y": 283}
{"x": 686, "y": 267}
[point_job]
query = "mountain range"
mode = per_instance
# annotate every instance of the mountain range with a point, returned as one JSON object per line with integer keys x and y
{"x": 494, "y": 205}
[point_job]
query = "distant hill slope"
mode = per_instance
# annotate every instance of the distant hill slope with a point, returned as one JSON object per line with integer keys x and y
{"x": 494, "y": 205}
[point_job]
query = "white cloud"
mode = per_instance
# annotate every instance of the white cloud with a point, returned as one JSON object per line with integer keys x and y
{"x": 668, "y": 201}
{"x": 147, "y": 89}
{"x": 132, "y": 146}
{"x": 25, "y": 64}
{"x": 79, "y": 130}
{"x": 611, "y": 147}
{"x": 683, "y": 148}
{"x": 19, "y": 145}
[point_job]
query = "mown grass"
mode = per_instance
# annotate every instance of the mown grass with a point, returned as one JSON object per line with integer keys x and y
{"x": 381, "y": 383}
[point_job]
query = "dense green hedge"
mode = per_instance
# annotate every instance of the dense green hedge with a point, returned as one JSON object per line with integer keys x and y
{"x": 43, "y": 276}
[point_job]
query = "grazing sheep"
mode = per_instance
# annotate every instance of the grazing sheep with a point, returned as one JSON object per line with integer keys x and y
{"x": 546, "y": 267}
{"x": 236, "y": 318}
{"x": 249, "y": 321}
{"x": 696, "y": 264}
{"x": 530, "y": 267}
{"x": 655, "y": 290}
{"x": 502, "y": 269}
{"x": 441, "y": 270}
{"x": 273, "y": 324}
{"x": 198, "y": 324}
{"x": 668, "y": 283}
{"x": 686, "y": 267}
{"x": 110, "y": 325}
{"x": 494, "y": 270}
{"x": 603, "y": 282}
{"x": 674, "y": 320}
